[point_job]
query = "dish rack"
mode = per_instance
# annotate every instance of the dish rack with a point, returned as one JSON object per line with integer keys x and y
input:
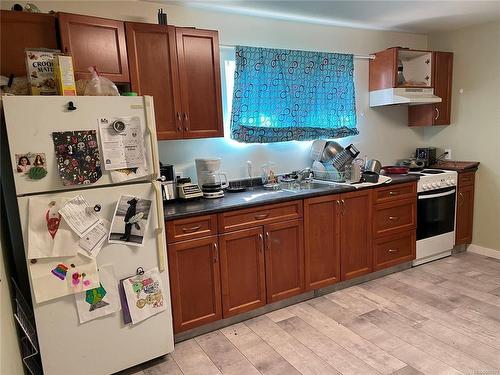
{"x": 333, "y": 176}
{"x": 29, "y": 342}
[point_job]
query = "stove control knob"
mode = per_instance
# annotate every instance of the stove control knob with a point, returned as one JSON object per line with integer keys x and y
{"x": 435, "y": 185}
{"x": 453, "y": 182}
{"x": 426, "y": 186}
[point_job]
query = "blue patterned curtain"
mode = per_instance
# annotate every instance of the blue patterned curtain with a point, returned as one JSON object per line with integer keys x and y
{"x": 283, "y": 95}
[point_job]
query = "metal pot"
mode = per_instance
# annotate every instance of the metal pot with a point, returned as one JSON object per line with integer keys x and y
{"x": 373, "y": 165}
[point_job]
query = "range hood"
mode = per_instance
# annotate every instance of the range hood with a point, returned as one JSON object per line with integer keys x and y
{"x": 401, "y": 95}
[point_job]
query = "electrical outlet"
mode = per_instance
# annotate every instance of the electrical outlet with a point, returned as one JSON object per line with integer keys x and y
{"x": 448, "y": 155}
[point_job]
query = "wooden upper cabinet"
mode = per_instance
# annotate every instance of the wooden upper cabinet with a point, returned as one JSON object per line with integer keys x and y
{"x": 284, "y": 259}
{"x": 200, "y": 83}
{"x": 152, "y": 56}
{"x": 322, "y": 241}
{"x": 242, "y": 271}
{"x": 443, "y": 74}
{"x": 20, "y": 30}
{"x": 465, "y": 208}
{"x": 95, "y": 41}
{"x": 437, "y": 113}
{"x": 355, "y": 234}
{"x": 194, "y": 282}
{"x": 383, "y": 70}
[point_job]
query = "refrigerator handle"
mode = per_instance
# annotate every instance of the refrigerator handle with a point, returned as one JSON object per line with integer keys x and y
{"x": 160, "y": 234}
{"x": 151, "y": 125}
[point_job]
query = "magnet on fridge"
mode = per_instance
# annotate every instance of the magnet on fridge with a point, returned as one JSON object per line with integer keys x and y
{"x": 118, "y": 126}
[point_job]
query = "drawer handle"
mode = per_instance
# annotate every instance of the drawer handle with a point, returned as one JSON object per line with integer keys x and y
{"x": 393, "y": 193}
{"x": 261, "y": 249}
{"x": 394, "y": 218}
{"x": 261, "y": 216}
{"x": 392, "y": 250}
{"x": 191, "y": 229}
{"x": 216, "y": 252}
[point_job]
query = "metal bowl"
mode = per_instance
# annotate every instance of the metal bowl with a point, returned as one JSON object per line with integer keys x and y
{"x": 331, "y": 150}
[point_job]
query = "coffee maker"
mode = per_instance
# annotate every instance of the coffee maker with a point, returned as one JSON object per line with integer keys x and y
{"x": 210, "y": 179}
{"x": 167, "y": 181}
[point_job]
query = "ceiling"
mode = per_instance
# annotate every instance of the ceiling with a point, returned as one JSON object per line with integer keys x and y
{"x": 404, "y": 15}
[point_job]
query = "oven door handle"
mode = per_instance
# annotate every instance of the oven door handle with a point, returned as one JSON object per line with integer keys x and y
{"x": 437, "y": 195}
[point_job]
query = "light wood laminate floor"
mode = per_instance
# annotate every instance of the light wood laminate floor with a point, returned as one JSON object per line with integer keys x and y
{"x": 439, "y": 318}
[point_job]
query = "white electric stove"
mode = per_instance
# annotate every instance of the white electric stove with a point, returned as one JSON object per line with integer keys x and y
{"x": 436, "y": 207}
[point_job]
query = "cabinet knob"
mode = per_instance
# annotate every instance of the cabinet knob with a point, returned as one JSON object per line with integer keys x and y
{"x": 393, "y": 218}
{"x": 261, "y": 249}
{"x": 437, "y": 113}
{"x": 392, "y": 193}
{"x": 392, "y": 250}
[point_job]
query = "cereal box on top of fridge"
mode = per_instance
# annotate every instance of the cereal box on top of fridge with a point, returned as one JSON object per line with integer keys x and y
{"x": 40, "y": 70}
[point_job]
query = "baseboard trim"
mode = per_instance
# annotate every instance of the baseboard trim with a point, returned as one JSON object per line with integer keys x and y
{"x": 492, "y": 253}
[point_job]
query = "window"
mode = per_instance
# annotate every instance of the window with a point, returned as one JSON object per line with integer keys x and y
{"x": 274, "y": 95}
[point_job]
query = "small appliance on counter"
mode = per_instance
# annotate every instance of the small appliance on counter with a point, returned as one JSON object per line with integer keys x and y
{"x": 167, "y": 181}
{"x": 212, "y": 181}
{"x": 427, "y": 154}
{"x": 187, "y": 190}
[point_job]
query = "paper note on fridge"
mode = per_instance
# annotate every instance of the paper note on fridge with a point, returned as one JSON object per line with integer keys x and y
{"x": 78, "y": 214}
{"x": 122, "y": 141}
{"x": 94, "y": 239}
{"x": 48, "y": 234}
{"x": 100, "y": 301}
{"x": 57, "y": 277}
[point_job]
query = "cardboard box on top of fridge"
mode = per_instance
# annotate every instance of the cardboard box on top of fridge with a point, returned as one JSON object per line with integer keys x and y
{"x": 64, "y": 75}
{"x": 40, "y": 70}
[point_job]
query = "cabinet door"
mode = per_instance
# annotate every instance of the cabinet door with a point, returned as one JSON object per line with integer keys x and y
{"x": 443, "y": 74}
{"x": 152, "y": 57}
{"x": 355, "y": 234}
{"x": 437, "y": 113}
{"x": 465, "y": 215}
{"x": 242, "y": 271}
{"x": 194, "y": 282}
{"x": 284, "y": 259}
{"x": 20, "y": 30}
{"x": 95, "y": 41}
{"x": 199, "y": 72}
{"x": 322, "y": 241}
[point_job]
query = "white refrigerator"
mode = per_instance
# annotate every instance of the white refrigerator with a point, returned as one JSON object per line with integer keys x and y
{"x": 104, "y": 345}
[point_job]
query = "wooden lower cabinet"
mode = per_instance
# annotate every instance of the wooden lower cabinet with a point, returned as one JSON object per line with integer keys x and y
{"x": 195, "y": 282}
{"x": 355, "y": 234}
{"x": 242, "y": 271}
{"x": 322, "y": 241}
{"x": 465, "y": 215}
{"x": 284, "y": 259}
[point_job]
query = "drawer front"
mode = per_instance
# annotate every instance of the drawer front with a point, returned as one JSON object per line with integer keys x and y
{"x": 466, "y": 179}
{"x": 235, "y": 220}
{"x": 392, "y": 250}
{"x": 395, "y": 217}
{"x": 395, "y": 192}
{"x": 190, "y": 228}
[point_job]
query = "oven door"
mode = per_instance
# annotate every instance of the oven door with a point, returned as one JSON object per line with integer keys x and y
{"x": 436, "y": 212}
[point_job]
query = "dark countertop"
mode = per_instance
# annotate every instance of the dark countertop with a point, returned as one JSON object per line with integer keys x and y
{"x": 459, "y": 166}
{"x": 258, "y": 196}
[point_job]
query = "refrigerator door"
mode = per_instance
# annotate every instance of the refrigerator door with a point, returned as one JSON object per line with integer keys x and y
{"x": 105, "y": 345}
{"x": 30, "y": 121}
